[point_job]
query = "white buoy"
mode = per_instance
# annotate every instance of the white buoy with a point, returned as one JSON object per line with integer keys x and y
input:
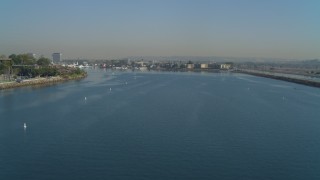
{"x": 110, "y": 89}
{"x": 24, "y": 125}
{"x": 85, "y": 98}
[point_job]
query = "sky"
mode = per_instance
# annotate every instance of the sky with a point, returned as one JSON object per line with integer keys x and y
{"x": 98, "y": 29}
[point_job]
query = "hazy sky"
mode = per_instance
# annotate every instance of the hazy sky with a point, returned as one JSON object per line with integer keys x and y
{"x": 119, "y": 28}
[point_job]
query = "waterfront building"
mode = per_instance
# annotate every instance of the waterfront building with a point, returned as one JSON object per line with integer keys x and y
{"x": 225, "y": 66}
{"x": 190, "y": 66}
{"x": 56, "y": 57}
{"x": 204, "y": 66}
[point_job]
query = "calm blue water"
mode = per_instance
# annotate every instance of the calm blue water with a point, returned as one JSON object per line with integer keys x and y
{"x": 161, "y": 126}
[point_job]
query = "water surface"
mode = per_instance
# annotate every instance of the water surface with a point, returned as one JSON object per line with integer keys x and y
{"x": 149, "y": 125}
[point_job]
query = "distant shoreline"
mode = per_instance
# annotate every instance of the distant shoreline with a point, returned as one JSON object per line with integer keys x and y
{"x": 277, "y": 76}
{"x": 39, "y": 81}
{"x": 59, "y": 79}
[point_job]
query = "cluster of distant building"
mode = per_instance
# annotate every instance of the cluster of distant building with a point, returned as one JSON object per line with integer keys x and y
{"x": 148, "y": 65}
{"x": 56, "y": 57}
{"x": 209, "y": 65}
{"x": 139, "y": 64}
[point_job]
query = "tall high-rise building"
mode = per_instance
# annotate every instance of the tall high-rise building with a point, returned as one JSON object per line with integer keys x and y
{"x": 31, "y": 55}
{"x": 56, "y": 57}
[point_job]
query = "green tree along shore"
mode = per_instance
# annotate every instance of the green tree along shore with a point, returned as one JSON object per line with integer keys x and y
{"x": 22, "y": 65}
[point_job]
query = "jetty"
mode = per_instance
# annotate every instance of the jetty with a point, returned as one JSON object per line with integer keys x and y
{"x": 298, "y": 79}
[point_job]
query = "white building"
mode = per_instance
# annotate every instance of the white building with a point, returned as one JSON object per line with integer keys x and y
{"x": 204, "y": 66}
{"x": 190, "y": 66}
{"x": 226, "y": 66}
{"x": 56, "y": 57}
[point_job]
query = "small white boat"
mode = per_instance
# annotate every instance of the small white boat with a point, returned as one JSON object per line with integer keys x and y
{"x": 24, "y": 125}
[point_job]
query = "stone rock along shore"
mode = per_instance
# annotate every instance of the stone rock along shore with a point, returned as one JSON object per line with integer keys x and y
{"x": 283, "y": 78}
{"x": 38, "y": 81}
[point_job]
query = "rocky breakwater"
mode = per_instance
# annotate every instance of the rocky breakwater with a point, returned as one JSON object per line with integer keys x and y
{"x": 309, "y": 81}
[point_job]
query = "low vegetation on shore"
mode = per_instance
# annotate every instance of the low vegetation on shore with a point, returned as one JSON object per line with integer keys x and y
{"x": 22, "y": 70}
{"x": 48, "y": 71}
